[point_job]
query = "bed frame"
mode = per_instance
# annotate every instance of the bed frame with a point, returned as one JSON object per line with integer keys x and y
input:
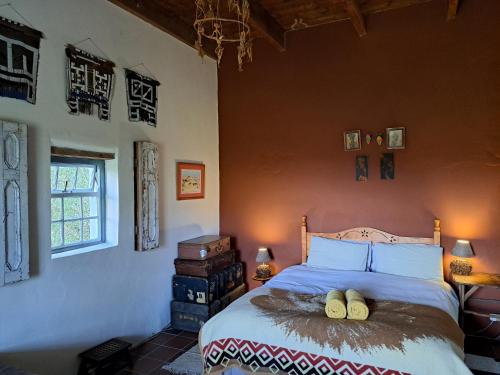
{"x": 368, "y": 235}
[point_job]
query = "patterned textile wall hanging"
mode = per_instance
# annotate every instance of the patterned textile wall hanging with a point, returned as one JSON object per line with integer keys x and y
{"x": 19, "y": 53}
{"x": 90, "y": 83}
{"x": 142, "y": 97}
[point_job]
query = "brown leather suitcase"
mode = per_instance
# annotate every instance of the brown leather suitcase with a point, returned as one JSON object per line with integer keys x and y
{"x": 204, "y": 268}
{"x": 204, "y": 247}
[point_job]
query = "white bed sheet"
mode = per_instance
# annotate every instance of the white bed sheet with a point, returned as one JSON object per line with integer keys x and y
{"x": 380, "y": 286}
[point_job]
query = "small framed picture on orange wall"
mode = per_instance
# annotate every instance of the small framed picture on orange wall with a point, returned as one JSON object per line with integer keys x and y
{"x": 362, "y": 168}
{"x": 190, "y": 181}
{"x": 352, "y": 140}
{"x": 396, "y": 138}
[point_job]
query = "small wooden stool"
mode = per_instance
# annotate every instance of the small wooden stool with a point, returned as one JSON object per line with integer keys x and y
{"x": 106, "y": 358}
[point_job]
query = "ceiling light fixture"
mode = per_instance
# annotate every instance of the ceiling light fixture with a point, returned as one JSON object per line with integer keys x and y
{"x": 227, "y": 24}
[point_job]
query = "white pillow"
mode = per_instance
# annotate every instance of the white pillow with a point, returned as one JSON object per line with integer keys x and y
{"x": 338, "y": 255}
{"x": 412, "y": 260}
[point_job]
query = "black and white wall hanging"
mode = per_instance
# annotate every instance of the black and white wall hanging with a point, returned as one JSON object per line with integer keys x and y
{"x": 19, "y": 53}
{"x": 142, "y": 97}
{"x": 90, "y": 83}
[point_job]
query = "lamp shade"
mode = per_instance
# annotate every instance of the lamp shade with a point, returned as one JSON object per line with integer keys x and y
{"x": 262, "y": 255}
{"x": 462, "y": 249}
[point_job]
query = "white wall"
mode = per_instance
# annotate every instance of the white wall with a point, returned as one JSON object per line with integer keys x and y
{"x": 76, "y": 302}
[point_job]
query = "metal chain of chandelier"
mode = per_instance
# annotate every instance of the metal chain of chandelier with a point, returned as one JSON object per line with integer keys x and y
{"x": 229, "y": 25}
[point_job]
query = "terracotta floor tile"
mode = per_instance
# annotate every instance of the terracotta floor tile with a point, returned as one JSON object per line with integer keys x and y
{"x": 160, "y": 371}
{"x": 172, "y": 331}
{"x": 145, "y": 365}
{"x": 179, "y": 342}
{"x": 143, "y": 349}
{"x": 162, "y": 338}
{"x": 163, "y": 353}
{"x": 189, "y": 334}
{"x": 189, "y": 346}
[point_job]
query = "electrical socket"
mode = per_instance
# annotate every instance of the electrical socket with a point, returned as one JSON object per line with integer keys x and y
{"x": 495, "y": 317}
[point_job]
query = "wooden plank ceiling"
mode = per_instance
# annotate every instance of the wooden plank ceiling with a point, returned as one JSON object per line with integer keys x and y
{"x": 270, "y": 19}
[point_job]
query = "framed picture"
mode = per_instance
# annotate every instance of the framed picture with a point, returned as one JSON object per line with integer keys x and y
{"x": 395, "y": 138}
{"x": 352, "y": 140}
{"x": 387, "y": 166}
{"x": 190, "y": 181}
{"x": 361, "y": 168}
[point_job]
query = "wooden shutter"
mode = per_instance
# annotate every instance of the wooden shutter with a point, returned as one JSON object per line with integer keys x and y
{"x": 14, "y": 246}
{"x": 147, "y": 231}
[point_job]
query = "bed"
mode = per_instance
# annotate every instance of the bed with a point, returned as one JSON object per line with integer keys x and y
{"x": 281, "y": 328}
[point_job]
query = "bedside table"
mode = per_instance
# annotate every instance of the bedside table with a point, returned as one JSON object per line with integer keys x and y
{"x": 263, "y": 280}
{"x": 468, "y": 285}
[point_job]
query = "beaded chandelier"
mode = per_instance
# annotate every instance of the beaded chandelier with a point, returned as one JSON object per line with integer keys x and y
{"x": 228, "y": 24}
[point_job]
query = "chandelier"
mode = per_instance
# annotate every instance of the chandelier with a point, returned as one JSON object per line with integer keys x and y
{"x": 228, "y": 24}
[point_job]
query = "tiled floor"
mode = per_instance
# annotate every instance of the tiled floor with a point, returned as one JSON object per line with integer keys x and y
{"x": 160, "y": 349}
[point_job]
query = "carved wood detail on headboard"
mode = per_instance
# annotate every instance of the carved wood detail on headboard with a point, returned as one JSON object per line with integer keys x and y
{"x": 367, "y": 234}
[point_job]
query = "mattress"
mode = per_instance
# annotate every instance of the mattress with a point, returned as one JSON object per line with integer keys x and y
{"x": 248, "y": 337}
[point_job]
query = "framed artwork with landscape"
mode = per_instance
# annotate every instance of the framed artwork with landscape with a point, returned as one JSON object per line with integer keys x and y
{"x": 352, "y": 140}
{"x": 190, "y": 181}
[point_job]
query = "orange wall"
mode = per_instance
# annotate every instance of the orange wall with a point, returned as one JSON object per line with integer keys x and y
{"x": 282, "y": 119}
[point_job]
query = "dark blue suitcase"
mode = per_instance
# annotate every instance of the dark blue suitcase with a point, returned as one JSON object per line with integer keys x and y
{"x": 221, "y": 284}
{"x": 229, "y": 279}
{"x": 190, "y": 316}
{"x": 238, "y": 273}
{"x": 198, "y": 290}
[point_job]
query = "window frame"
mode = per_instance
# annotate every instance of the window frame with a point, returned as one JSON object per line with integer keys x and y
{"x": 75, "y": 162}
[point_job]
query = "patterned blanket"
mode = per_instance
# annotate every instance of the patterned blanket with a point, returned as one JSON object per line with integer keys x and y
{"x": 280, "y": 332}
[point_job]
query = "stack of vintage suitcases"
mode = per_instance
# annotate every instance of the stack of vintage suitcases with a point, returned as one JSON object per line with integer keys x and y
{"x": 207, "y": 280}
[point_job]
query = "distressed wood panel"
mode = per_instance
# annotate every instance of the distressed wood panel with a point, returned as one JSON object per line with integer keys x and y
{"x": 73, "y": 153}
{"x": 147, "y": 230}
{"x": 14, "y": 254}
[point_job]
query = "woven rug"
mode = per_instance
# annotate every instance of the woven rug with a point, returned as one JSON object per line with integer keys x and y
{"x": 188, "y": 363}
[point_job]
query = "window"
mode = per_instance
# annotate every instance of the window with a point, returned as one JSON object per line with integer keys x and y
{"x": 77, "y": 203}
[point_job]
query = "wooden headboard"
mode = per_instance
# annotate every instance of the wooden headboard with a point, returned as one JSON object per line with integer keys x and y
{"x": 368, "y": 235}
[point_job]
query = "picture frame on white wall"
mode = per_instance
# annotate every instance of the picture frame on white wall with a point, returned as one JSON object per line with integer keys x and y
{"x": 190, "y": 181}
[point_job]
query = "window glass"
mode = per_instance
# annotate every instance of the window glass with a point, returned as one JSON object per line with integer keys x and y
{"x": 77, "y": 201}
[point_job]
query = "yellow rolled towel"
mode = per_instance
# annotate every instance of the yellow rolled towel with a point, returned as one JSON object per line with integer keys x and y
{"x": 335, "y": 305}
{"x": 356, "y": 305}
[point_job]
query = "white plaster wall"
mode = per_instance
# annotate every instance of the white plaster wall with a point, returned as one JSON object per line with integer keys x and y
{"x": 76, "y": 302}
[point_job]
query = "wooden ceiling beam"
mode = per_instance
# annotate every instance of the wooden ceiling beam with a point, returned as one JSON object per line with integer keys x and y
{"x": 160, "y": 17}
{"x": 355, "y": 15}
{"x": 452, "y": 9}
{"x": 266, "y": 25}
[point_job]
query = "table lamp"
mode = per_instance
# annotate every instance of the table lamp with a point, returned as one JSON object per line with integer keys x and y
{"x": 263, "y": 270}
{"x": 461, "y": 265}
